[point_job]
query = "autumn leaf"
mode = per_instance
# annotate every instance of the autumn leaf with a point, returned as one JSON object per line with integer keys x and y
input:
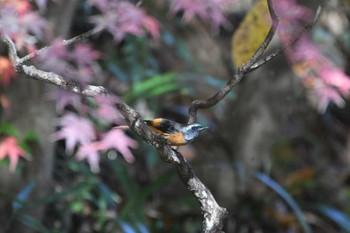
{"x": 251, "y": 33}
{"x": 211, "y": 11}
{"x": 118, "y": 140}
{"x": 75, "y": 130}
{"x": 121, "y": 18}
{"x": 90, "y": 152}
{"x": 21, "y": 6}
{"x": 6, "y": 71}
{"x": 9, "y": 147}
{"x": 106, "y": 110}
{"x": 83, "y": 54}
{"x": 65, "y": 98}
{"x": 4, "y": 102}
{"x": 326, "y": 83}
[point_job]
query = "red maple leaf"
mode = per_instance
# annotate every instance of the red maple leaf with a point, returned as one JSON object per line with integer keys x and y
{"x": 9, "y": 147}
{"x": 6, "y": 71}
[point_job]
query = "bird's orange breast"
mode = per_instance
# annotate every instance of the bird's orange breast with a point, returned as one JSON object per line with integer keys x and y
{"x": 174, "y": 139}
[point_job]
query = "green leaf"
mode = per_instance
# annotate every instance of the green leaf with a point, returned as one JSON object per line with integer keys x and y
{"x": 8, "y": 129}
{"x": 78, "y": 190}
{"x": 155, "y": 85}
{"x": 110, "y": 196}
{"x": 31, "y": 136}
{"x": 137, "y": 201}
{"x": 76, "y": 206}
{"x": 287, "y": 198}
{"x": 33, "y": 223}
{"x": 127, "y": 182}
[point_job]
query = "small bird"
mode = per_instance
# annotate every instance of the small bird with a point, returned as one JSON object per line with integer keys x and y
{"x": 176, "y": 134}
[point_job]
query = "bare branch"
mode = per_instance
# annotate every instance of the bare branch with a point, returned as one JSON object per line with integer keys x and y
{"x": 249, "y": 66}
{"x": 12, "y": 51}
{"x": 59, "y": 81}
{"x": 65, "y": 42}
{"x": 213, "y": 214}
{"x": 267, "y": 40}
{"x": 200, "y": 104}
{"x": 291, "y": 43}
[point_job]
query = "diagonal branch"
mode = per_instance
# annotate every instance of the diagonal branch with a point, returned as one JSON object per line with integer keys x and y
{"x": 267, "y": 40}
{"x": 213, "y": 214}
{"x": 291, "y": 43}
{"x": 200, "y": 104}
{"x": 65, "y": 42}
{"x": 250, "y": 65}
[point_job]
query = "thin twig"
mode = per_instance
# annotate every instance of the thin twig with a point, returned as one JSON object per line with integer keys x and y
{"x": 249, "y": 66}
{"x": 65, "y": 43}
{"x": 267, "y": 40}
{"x": 291, "y": 43}
{"x": 200, "y": 104}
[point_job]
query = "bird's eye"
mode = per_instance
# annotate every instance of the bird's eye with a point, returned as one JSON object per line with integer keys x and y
{"x": 194, "y": 127}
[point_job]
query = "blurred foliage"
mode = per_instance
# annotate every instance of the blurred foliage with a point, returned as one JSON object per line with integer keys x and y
{"x": 251, "y": 33}
{"x": 290, "y": 197}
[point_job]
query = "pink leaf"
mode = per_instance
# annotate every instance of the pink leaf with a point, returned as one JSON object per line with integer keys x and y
{"x": 122, "y": 18}
{"x": 118, "y": 140}
{"x": 290, "y": 10}
{"x": 66, "y": 98}
{"x": 38, "y": 28}
{"x": 318, "y": 73}
{"x": 106, "y": 108}
{"x": 16, "y": 21}
{"x": 338, "y": 79}
{"x": 328, "y": 95}
{"x": 74, "y": 130}
{"x": 9, "y": 147}
{"x": 208, "y": 10}
{"x": 90, "y": 152}
{"x": 83, "y": 54}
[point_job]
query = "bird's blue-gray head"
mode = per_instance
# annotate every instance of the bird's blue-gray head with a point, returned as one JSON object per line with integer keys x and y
{"x": 192, "y": 131}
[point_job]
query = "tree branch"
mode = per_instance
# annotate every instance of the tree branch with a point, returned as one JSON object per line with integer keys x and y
{"x": 200, "y": 104}
{"x": 252, "y": 64}
{"x": 291, "y": 43}
{"x": 65, "y": 42}
{"x": 267, "y": 40}
{"x": 213, "y": 214}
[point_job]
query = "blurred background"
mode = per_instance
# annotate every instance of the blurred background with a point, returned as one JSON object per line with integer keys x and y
{"x": 278, "y": 150}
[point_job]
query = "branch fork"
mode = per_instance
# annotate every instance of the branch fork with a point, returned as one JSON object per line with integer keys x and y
{"x": 213, "y": 214}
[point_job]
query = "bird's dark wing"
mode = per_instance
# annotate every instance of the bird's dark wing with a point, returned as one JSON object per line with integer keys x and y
{"x": 163, "y": 125}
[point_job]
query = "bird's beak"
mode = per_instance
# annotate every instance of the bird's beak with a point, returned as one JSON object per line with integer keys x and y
{"x": 204, "y": 127}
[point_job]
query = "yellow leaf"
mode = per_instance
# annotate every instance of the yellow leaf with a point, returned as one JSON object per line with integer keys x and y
{"x": 251, "y": 33}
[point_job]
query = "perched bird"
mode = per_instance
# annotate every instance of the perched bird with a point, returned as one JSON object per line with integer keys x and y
{"x": 176, "y": 134}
